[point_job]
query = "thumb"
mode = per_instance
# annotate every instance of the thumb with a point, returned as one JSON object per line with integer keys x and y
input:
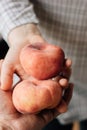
{"x": 7, "y": 71}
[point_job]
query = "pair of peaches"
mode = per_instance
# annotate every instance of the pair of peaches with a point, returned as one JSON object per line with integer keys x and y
{"x": 42, "y": 62}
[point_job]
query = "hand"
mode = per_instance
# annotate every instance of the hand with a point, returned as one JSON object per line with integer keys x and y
{"x": 11, "y": 119}
{"x": 17, "y": 39}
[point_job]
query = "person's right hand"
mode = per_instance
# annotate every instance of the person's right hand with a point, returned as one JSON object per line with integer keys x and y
{"x": 18, "y": 38}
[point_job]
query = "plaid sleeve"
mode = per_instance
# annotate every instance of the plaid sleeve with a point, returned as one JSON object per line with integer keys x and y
{"x": 14, "y": 13}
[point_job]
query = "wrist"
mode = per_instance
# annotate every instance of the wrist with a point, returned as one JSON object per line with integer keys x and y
{"x": 24, "y": 34}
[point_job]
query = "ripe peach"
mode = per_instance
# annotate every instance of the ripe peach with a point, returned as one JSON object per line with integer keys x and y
{"x": 42, "y": 60}
{"x": 32, "y": 96}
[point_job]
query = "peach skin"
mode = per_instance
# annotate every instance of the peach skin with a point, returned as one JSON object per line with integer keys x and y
{"x": 42, "y": 60}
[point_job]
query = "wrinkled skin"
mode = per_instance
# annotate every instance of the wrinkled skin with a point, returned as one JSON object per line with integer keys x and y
{"x": 11, "y": 119}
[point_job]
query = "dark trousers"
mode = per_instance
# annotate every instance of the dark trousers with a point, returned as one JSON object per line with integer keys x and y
{"x": 83, "y": 125}
{"x": 55, "y": 125}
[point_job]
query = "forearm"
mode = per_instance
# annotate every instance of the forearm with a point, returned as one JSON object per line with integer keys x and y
{"x": 14, "y": 14}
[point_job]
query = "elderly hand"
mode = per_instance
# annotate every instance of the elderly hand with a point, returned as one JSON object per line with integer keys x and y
{"x": 11, "y": 119}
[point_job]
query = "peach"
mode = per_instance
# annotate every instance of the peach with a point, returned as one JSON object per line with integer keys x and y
{"x": 32, "y": 96}
{"x": 42, "y": 60}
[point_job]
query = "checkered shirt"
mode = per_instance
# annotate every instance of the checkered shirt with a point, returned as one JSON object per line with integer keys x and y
{"x": 61, "y": 22}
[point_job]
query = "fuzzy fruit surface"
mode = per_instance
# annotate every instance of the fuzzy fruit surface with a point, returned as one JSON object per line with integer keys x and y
{"x": 42, "y": 60}
{"x": 32, "y": 96}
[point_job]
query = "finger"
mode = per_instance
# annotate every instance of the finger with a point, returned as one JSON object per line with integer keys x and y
{"x": 68, "y": 93}
{"x": 68, "y": 63}
{"x": 6, "y": 75}
{"x": 20, "y": 72}
{"x": 62, "y": 107}
{"x": 66, "y": 71}
{"x": 48, "y": 115}
{"x": 62, "y": 81}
